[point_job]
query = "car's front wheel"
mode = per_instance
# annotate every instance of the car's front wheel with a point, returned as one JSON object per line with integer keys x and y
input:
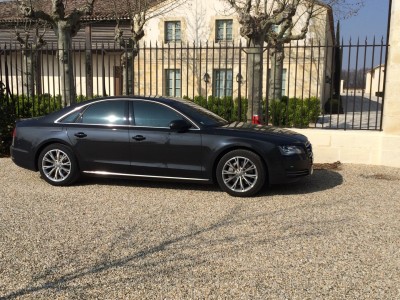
{"x": 57, "y": 165}
{"x": 241, "y": 173}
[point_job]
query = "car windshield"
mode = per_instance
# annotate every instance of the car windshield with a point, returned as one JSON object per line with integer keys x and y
{"x": 198, "y": 113}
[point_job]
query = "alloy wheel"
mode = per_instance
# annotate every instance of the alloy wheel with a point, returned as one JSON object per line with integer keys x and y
{"x": 56, "y": 165}
{"x": 239, "y": 174}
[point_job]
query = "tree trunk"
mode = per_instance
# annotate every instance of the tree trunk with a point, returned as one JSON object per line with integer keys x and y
{"x": 30, "y": 73}
{"x": 65, "y": 64}
{"x": 127, "y": 72}
{"x": 277, "y": 56}
{"x": 89, "y": 61}
{"x": 254, "y": 80}
{"x": 38, "y": 73}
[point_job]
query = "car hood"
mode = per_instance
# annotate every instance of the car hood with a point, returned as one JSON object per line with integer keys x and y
{"x": 265, "y": 130}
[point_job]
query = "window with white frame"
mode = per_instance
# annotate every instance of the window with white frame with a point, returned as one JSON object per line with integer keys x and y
{"x": 277, "y": 29}
{"x": 223, "y": 83}
{"x": 172, "y": 31}
{"x": 223, "y": 30}
{"x": 173, "y": 82}
{"x": 284, "y": 82}
{"x": 284, "y": 71}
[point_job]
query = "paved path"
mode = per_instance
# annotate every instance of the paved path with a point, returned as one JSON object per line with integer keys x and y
{"x": 360, "y": 112}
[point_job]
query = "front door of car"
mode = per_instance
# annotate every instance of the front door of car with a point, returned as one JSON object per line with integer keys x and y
{"x": 100, "y": 137}
{"x": 156, "y": 150}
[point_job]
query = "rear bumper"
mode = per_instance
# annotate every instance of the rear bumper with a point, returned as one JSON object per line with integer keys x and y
{"x": 23, "y": 158}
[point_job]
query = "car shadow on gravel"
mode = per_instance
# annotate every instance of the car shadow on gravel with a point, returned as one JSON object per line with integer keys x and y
{"x": 321, "y": 180}
{"x": 144, "y": 183}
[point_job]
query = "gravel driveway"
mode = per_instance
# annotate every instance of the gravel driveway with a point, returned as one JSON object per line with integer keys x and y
{"x": 334, "y": 235}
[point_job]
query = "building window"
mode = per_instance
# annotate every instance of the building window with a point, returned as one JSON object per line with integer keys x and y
{"x": 283, "y": 80}
{"x": 172, "y": 31}
{"x": 223, "y": 30}
{"x": 277, "y": 29}
{"x": 223, "y": 82}
{"x": 173, "y": 82}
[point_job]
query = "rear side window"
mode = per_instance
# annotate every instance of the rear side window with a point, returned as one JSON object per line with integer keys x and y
{"x": 71, "y": 117}
{"x": 105, "y": 113}
{"x": 150, "y": 114}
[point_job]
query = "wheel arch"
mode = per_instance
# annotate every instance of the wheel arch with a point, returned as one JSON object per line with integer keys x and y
{"x": 46, "y": 144}
{"x": 238, "y": 147}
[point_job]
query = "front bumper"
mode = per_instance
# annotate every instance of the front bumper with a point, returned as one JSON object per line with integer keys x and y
{"x": 292, "y": 168}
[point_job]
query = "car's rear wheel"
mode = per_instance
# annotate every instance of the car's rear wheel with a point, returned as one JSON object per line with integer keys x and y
{"x": 241, "y": 173}
{"x": 57, "y": 165}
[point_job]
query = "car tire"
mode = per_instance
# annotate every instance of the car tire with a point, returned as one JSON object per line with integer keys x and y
{"x": 241, "y": 173}
{"x": 58, "y": 165}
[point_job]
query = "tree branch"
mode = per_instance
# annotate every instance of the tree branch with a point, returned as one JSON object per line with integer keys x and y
{"x": 303, "y": 33}
{"x": 28, "y": 11}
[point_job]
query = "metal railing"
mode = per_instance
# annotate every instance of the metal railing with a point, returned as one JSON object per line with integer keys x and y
{"x": 335, "y": 87}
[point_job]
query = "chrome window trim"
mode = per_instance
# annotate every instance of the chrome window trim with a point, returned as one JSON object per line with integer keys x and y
{"x": 142, "y": 176}
{"x": 130, "y": 126}
{"x": 69, "y": 113}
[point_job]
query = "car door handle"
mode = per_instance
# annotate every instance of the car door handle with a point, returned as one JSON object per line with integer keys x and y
{"x": 139, "y": 138}
{"x": 80, "y": 134}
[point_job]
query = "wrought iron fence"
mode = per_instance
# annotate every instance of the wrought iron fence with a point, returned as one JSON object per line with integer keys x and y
{"x": 339, "y": 87}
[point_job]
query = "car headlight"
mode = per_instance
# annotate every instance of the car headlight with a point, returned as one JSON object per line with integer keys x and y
{"x": 291, "y": 150}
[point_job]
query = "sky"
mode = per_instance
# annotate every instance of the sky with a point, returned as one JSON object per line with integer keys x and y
{"x": 371, "y": 21}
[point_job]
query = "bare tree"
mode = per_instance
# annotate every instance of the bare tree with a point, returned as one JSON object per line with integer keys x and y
{"x": 30, "y": 46}
{"x": 199, "y": 32}
{"x": 197, "y": 21}
{"x": 65, "y": 23}
{"x": 138, "y": 12}
{"x": 277, "y": 22}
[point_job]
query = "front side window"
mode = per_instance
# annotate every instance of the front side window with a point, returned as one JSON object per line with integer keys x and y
{"x": 173, "y": 82}
{"x": 172, "y": 31}
{"x": 105, "y": 113}
{"x": 223, "y": 30}
{"x": 223, "y": 82}
{"x": 150, "y": 114}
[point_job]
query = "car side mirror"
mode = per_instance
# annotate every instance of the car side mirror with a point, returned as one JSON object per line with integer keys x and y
{"x": 179, "y": 125}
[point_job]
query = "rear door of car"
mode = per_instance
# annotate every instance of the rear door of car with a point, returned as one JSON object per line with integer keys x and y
{"x": 100, "y": 137}
{"x": 156, "y": 150}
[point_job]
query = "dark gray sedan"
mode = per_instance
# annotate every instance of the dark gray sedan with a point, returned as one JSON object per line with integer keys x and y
{"x": 162, "y": 139}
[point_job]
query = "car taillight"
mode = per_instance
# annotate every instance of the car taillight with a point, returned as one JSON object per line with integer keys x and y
{"x": 14, "y": 135}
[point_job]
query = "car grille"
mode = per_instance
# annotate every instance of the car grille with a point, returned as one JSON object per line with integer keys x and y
{"x": 309, "y": 151}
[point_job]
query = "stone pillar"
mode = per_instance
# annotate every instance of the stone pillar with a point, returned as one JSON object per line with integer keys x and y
{"x": 391, "y": 110}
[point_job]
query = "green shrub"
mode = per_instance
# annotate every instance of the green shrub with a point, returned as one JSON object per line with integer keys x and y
{"x": 225, "y": 107}
{"x": 27, "y": 106}
{"x": 7, "y": 122}
{"x": 294, "y": 112}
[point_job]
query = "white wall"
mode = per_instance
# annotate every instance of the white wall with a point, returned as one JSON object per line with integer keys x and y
{"x": 359, "y": 147}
